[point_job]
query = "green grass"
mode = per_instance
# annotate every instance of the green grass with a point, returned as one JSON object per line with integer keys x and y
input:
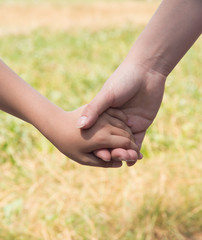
{"x": 44, "y": 196}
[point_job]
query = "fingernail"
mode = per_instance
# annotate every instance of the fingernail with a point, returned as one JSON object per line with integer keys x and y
{"x": 81, "y": 122}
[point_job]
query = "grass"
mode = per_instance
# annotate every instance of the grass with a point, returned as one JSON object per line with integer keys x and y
{"x": 27, "y": 2}
{"x": 45, "y": 196}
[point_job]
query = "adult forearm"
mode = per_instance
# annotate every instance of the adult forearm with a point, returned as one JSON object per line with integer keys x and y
{"x": 21, "y": 100}
{"x": 173, "y": 29}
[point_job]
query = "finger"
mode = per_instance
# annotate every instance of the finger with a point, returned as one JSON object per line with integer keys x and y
{"x": 137, "y": 123}
{"x": 130, "y": 164}
{"x": 114, "y": 131}
{"x": 91, "y": 112}
{"x": 120, "y": 125}
{"x": 116, "y": 113}
{"x": 90, "y": 160}
{"x": 139, "y": 138}
{"x": 132, "y": 145}
{"x": 103, "y": 154}
{"x": 122, "y": 129}
{"x": 133, "y": 155}
{"x": 117, "y": 154}
{"x": 119, "y": 142}
{"x": 120, "y": 154}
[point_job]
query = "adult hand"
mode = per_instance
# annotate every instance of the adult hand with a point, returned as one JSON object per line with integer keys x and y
{"x": 136, "y": 92}
{"x": 137, "y": 86}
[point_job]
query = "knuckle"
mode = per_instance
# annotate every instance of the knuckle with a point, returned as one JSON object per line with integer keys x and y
{"x": 128, "y": 135}
{"x": 120, "y": 125}
{"x": 101, "y": 139}
{"x": 127, "y": 143}
{"x": 121, "y": 114}
{"x": 117, "y": 113}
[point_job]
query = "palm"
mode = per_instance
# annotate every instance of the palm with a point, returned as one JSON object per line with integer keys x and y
{"x": 142, "y": 108}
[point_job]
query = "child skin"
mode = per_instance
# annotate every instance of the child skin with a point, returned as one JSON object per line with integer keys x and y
{"x": 59, "y": 127}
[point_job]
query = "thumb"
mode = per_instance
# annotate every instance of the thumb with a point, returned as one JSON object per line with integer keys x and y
{"x": 102, "y": 101}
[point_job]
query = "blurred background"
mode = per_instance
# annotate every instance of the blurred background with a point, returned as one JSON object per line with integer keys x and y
{"x": 66, "y": 49}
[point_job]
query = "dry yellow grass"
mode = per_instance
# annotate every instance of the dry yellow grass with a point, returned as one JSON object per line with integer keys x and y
{"x": 24, "y": 18}
{"x": 56, "y": 199}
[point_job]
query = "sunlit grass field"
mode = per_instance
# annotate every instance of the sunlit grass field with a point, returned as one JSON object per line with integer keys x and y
{"x": 45, "y": 196}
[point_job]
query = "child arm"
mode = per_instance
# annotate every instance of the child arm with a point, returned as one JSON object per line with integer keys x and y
{"x": 21, "y": 100}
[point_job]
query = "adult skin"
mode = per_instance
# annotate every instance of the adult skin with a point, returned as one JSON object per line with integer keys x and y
{"x": 137, "y": 85}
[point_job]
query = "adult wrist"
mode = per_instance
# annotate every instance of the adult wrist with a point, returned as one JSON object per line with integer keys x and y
{"x": 151, "y": 61}
{"x": 146, "y": 70}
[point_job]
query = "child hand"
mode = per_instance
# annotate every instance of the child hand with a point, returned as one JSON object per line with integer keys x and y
{"x": 119, "y": 154}
{"x": 79, "y": 145}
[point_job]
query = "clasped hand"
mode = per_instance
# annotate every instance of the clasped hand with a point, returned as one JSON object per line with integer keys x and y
{"x": 108, "y": 133}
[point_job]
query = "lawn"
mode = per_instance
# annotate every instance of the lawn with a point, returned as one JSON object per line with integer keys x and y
{"x": 45, "y": 196}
